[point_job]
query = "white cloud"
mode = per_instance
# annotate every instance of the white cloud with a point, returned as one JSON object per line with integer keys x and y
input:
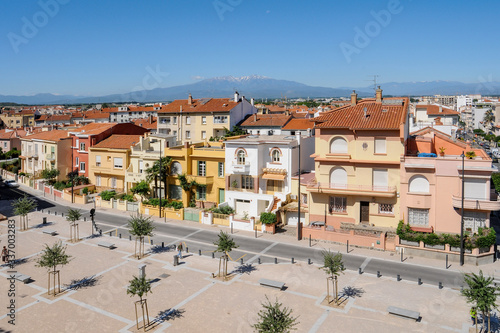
{"x": 197, "y": 77}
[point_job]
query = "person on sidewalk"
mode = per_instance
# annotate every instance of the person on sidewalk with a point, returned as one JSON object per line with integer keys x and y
{"x": 179, "y": 248}
{"x": 5, "y": 255}
{"x": 473, "y": 315}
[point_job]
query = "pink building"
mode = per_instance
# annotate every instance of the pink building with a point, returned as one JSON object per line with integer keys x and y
{"x": 431, "y": 187}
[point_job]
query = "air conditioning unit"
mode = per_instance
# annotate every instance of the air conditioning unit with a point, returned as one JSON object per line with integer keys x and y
{"x": 293, "y": 196}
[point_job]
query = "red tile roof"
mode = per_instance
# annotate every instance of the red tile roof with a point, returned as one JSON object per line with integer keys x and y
{"x": 259, "y": 120}
{"x": 96, "y": 115}
{"x": 146, "y": 122}
{"x": 388, "y": 115}
{"x": 55, "y": 135}
{"x": 299, "y": 124}
{"x": 433, "y": 110}
{"x": 118, "y": 141}
{"x": 93, "y": 128}
{"x": 59, "y": 117}
{"x": 200, "y": 105}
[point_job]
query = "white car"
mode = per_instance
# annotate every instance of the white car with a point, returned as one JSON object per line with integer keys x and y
{"x": 11, "y": 183}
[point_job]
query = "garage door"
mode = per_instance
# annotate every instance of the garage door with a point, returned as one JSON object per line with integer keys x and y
{"x": 242, "y": 206}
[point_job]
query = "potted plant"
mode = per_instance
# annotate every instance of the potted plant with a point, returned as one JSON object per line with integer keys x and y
{"x": 268, "y": 221}
{"x": 234, "y": 184}
{"x": 441, "y": 151}
{"x": 470, "y": 154}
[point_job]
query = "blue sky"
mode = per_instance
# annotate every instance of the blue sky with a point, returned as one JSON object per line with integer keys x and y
{"x": 102, "y": 47}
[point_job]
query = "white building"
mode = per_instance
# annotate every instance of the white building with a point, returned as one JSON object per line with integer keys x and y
{"x": 463, "y": 100}
{"x": 259, "y": 171}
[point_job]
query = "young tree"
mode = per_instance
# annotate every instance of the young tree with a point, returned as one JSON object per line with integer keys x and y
{"x": 140, "y": 227}
{"x": 49, "y": 175}
{"x": 225, "y": 245}
{"x": 333, "y": 266}
{"x": 72, "y": 216}
{"x": 481, "y": 293}
{"x": 275, "y": 319}
{"x": 140, "y": 286}
{"x": 52, "y": 257}
{"x": 22, "y": 207}
{"x": 142, "y": 189}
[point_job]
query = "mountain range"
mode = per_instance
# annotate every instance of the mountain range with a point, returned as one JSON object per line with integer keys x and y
{"x": 262, "y": 87}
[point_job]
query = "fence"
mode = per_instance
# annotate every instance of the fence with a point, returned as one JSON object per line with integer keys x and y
{"x": 192, "y": 214}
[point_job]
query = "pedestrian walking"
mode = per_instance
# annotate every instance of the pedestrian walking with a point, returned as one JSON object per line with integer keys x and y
{"x": 179, "y": 248}
{"x": 473, "y": 315}
{"x": 5, "y": 255}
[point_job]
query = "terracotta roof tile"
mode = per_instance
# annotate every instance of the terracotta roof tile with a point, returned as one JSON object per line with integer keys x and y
{"x": 118, "y": 141}
{"x": 200, "y": 105}
{"x": 299, "y": 124}
{"x": 146, "y": 123}
{"x": 259, "y": 120}
{"x": 55, "y": 135}
{"x": 433, "y": 110}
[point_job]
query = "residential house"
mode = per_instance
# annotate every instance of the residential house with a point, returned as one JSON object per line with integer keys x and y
{"x": 357, "y": 162}
{"x": 13, "y": 119}
{"x": 304, "y": 126}
{"x": 434, "y": 115}
{"x": 59, "y": 119}
{"x": 265, "y": 124}
{"x": 149, "y": 123}
{"x": 10, "y": 139}
{"x": 195, "y": 120}
{"x": 109, "y": 160}
{"x": 125, "y": 114}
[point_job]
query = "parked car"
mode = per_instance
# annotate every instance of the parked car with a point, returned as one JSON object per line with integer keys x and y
{"x": 11, "y": 183}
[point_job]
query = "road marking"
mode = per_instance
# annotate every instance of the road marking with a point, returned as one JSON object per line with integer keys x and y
{"x": 319, "y": 322}
{"x": 365, "y": 263}
{"x": 262, "y": 252}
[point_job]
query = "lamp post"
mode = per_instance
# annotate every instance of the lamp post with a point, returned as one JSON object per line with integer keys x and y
{"x": 462, "y": 214}
{"x": 299, "y": 225}
{"x": 160, "y": 180}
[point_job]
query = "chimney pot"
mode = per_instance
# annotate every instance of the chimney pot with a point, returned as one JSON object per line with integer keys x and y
{"x": 236, "y": 96}
{"x": 354, "y": 98}
{"x": 378, "y": 95}
{"x": 190, "y": 99}
{"x": 255, "y": 117}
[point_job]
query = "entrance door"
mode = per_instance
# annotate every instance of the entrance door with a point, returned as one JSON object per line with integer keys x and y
{"x": 222, "y": 196}
{"x": 242, "y": 207}
{"x": 364, "y": 212}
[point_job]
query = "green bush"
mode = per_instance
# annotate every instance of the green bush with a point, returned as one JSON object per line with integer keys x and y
{"x": 268, "y": 218}
{"x": 15, "y": 169}
{"x": 85, "y": 190}
{"x": 107, "y": 195}
{"x": 496, "y": 180}
{"x": 128, "y": 197}
{"x": 227, "y": 210}
{"x": 164, "y": 203}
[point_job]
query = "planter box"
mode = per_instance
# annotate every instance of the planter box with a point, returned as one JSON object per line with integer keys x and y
{"x": 410, "y": 243}
{"x": 270, "y": 228}
{"x": 435, "y": 247}
{"x": 484, "y": 250}
{"x": 457, "y": 249}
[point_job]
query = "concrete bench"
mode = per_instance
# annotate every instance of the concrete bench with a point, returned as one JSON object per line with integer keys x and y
{"x": 106, "y": 244}
{"x": 403, "y": 312}
{"x": 22, "y": 277}
{"x": 50, "y": 232}
{"x": 271, "y": 283}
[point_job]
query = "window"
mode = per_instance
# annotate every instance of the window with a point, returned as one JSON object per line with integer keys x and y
{"x": 5, "y": 144}
{"x": 380, "y": 147}
{"x": 98, "y": 160}
{"x": 247, "y": 182}
{"x": 303, "y": 199}
{"x": 204, "y": 120}
{"x": 77, "y": 143}
{"x": 141, "y": 166}
{"x": 475, "y": 188}
{"x": 118, "y": 162}
{"x": 337, "y": 205}
{"x": 82, "y": 166}
{"x": 338, "y": 145}
{"x": 175, "y": 169}
{"x": 221, "y": 169}
{"x": 98, "y": 180}
{"x": 175, "y": 192}
{"x": 418, "y": 184}
{"x": 188, "y": 120}
{"x": 380, "y": 179}
{"x": 203, "y": 134}
{"x": 418, "y": 217}
{"x": 82, "y": 146}
{"x": 174, "y": 133}
{"x": 174, "y": 120}
{"x": 338, "y": 178}
{"x": 201, "y": 192}
{"x": 202, "y": 168}
{"x": 241, "y": 156}
{"x": 275, "y": 156}
{"x": 77, "y": 160}
{"x": 274, "y": 185}
{"x": 113, "y": 182}
{"x": 385, "y": 209}
{"x": 188, "y": 134}
{"x": 474, "y": 220}
{"x": 220, "y": 119}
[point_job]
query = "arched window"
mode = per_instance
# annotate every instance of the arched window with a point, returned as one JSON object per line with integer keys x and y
{"x": 176, "y": 168}
{"x": 338, "y": 177}
{"x": 338, "y": 145}
{"x": 241, "y": 156}
{"x": 418, "y": 184}
{"x": 275, "y": 156}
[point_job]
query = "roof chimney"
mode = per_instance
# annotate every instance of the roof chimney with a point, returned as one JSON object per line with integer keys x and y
{"x": 378, "y": 95}
{"x": 440, "y": 108}
{"x": 252, "y": 101}
{"x": 255, "y": 117}
{"x": 354, "y": 98}
{"x": 190, "y": 99}
{"x": 236, "y": 96}
{"x": 364, "y": 111}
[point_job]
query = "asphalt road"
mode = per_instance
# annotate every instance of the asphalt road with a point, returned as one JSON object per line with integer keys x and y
{"x": 250, "y": 249}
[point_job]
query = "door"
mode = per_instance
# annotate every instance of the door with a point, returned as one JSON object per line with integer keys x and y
{"x": 242, "y": 207}
{"x": 222, "y": 195}
{"x": 365, "y": 212}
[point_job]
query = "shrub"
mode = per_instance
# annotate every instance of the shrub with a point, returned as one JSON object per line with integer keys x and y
{"x": 268, "y": 218}
{"x": 128, "y": 197}
{"x": 107, "y": 195}
{"x": 85, "y": 190}
{"x": 227, "y": 210}
{"x": 60, "y": 185}
{"x": 15, "y": 169}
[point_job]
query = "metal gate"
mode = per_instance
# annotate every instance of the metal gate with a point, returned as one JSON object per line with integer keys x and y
{"x": 132, "y": 206}
{"x": 192, "y": 214}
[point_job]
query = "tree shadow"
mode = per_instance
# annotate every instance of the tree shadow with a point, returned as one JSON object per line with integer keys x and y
{"x": 93, "y": 236}
{"x": 86, "y": 282}
{"x": 352, "y": 292}
{"x": 41, "y": 225}
{"x": 19, "y": 261}
{"x": 244, "y": 269}
{"x": 159, "y": 249}
{"x": 494, "y": 323}
{"x": 169, "y": 314}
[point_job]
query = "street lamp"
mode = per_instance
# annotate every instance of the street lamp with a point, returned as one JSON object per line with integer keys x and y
{"x": 299, "y": 230}
{"x": 462, "y": 215}
{"x": 160, "y": 181}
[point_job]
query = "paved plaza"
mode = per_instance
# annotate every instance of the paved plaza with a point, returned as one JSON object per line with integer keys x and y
{"x": 186, "y": 298}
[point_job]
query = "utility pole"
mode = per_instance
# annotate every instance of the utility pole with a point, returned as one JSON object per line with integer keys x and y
{"x": 299, "y": 224}
{"x": 462, "y": 250}
{"x": 160, "y": 178}
{"x": 72, "y": 176}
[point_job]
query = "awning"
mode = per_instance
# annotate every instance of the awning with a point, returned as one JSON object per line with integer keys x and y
{"x": 273, "y": 176}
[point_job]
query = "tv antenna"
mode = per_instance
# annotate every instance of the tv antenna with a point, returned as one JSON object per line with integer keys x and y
{"x": 374, "y": 80}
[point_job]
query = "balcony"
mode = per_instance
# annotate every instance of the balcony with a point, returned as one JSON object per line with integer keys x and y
{"x": 349, "y": 189}
{"x": 204, "y": 180}
{"x": 135, "y": 176}
{"x": 476, "y": 204}
{"x": 240, "y": 168}
{"x": 50, "y": 157}
{"x": 240, "y": 189}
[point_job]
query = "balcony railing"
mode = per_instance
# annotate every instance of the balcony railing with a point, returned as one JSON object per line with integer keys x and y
{"x": 240, "y": 189}
{"x": 241, "y": 167}
{"x": 351, "y": 189}
{"x": 50, "y": 157}
{"x": 204, "y": 180}
{"x": 476, "y": 204}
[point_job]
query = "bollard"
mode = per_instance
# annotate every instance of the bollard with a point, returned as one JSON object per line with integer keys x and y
{"x": 347, "y": 246}
{"x": 378, "y": 274}
{"x": 309, "y": 261}
{"x": 293, "y": 261}
{"x": 419, "y": 281}
{"x": 187, "y": 249}
{"x": 401, "y": 255}
{"x": 199, "y": 252}
{"x": 309, "y": 240}
{"x": 440, "y": 285}
{"x": 360, "y": 271}
{"x": 241, "y": 261}
{"x": 62, "y": 214}
{"x": 231, "y": 227}
{"x": 398, "y": 278}
{"x": 255, "y": 232}
{"x": 44, "y": 220}
{"x": 110, "y": 233}
{"x": 151, "y": 241}
{"x": 162, "y": 245}
{"x": 213, "y": 255}
{"x": 130, "y": 237}
{"x": 119, "y": 235}
{"x": 100, "y": 232}
{"x": 55, "y": 213}
{"x": 84, "y": 219}
{"x": 446, "y": 261}
{"x": 275, "y": 260}
{"x": 258, "y": 260}
{"x": 176, "y": 260}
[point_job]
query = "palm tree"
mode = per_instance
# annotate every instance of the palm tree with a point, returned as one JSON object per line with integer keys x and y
{"x": 333, "y": 266}
{"x": 140, "y": 286}
{"x": 73, "y": 215}
{"x": 225, "y": 244}
{"x": 51, "y": 258}
{"x": 22, "y": 207}
{"x": 274, "y": 319}
{"x": 154, "y": 171}
{"x": 481, "y": 293}
{"x": 140, "y": 227}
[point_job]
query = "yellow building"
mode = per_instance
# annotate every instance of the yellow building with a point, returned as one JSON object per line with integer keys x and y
{"x": 109, "y": 160}
{"x": 18, "y": 119}
{"x": 202, "y": 163}
{"x": 357, "y": 161}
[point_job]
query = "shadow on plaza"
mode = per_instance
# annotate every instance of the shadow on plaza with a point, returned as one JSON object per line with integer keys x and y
{"x": 352, "y": 292}
{"x": 244, "y": 269}
{"x": 86, "y": 282}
